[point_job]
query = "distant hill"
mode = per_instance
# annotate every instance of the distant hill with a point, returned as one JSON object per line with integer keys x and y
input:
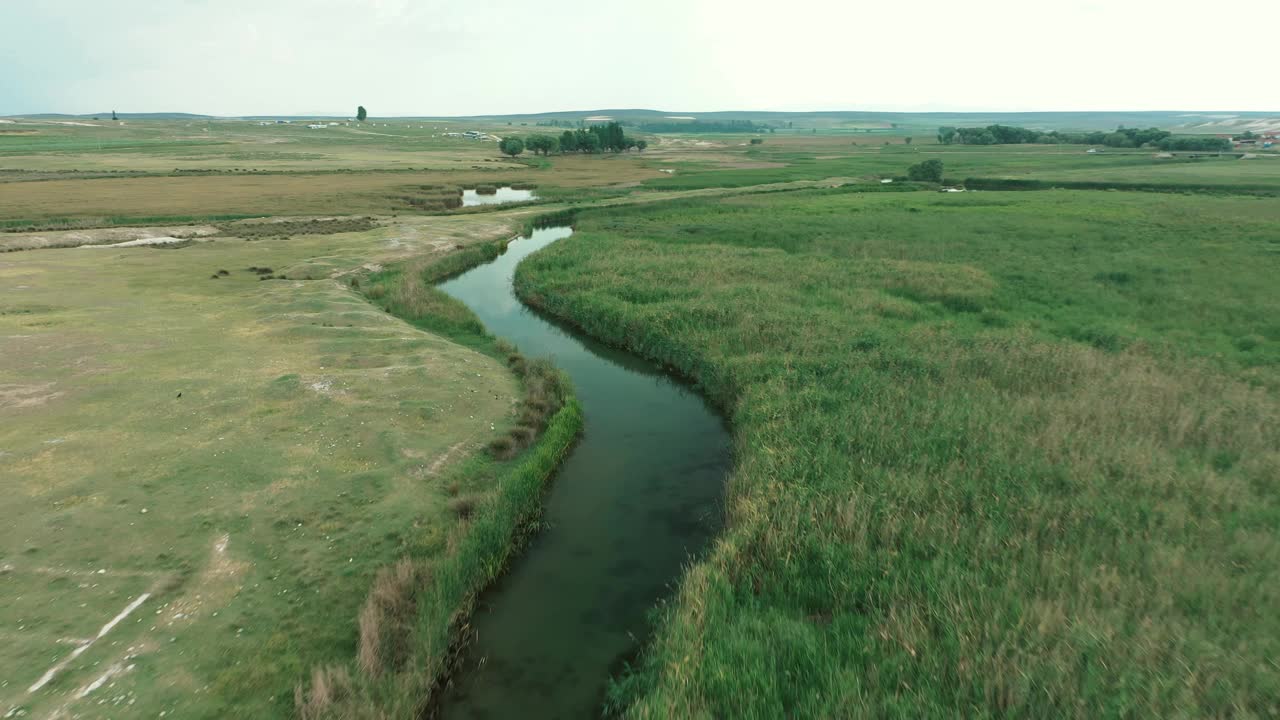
{"x": 123, "y": 116}
{"x": 848, "y": 120}
{"x": 1202, "y": 121}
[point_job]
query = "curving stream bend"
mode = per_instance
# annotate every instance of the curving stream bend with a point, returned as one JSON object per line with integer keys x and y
{"x": 638, "y": 495}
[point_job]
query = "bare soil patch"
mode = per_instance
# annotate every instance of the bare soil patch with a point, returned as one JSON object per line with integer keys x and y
{"x": 119, "y": 237}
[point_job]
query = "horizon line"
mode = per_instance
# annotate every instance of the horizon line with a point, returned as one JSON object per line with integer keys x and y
{"x": 654, "y": 110}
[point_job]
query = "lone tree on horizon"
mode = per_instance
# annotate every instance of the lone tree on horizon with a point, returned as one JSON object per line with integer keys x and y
{"x": 361, "y": 114}
{"x": 113, "y": 115}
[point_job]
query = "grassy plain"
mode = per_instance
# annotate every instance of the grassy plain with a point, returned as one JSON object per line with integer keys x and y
{"x": 729, "y": 162}
{"x": 151, "y": 146}
{"x": 249, "y": 452}
{"x": 144, "y": 185}
{"x": 998, "y": 454}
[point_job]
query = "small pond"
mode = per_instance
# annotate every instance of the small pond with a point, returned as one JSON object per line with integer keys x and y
{"x": 471, "y": 198}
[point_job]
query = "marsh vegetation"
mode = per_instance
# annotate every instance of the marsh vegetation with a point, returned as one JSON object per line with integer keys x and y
{"x": 1012, "y": 453}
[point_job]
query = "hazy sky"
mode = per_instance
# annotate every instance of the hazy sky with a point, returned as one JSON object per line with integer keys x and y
{"x": 428, "y": 57}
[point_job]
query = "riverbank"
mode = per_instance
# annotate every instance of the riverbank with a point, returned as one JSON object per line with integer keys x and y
{"x": 416, "y": 616}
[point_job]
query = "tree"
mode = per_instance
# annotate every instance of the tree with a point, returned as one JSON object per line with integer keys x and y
{"x": 361, "y": 114}
{"x": 512, "y": 146}
{"x": 545, "y": 144}
{"x": 927, "y": 171}
{"x": 1195, "y": 142}
{"x": 908, "y": 140}
{"x": 946, "y": 135}
{"x": 609, "y": 136}
{"x": 642, "y": 144}
{"x": 1118, "y": 140}
{"x": 113, "y": 115}
{"x": 568, "y": 141}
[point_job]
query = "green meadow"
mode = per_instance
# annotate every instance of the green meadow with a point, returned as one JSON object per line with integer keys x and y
{"x": 998, "y": 454}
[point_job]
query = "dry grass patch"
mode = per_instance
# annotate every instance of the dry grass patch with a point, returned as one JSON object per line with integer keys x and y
{"x": 387, "y": 617}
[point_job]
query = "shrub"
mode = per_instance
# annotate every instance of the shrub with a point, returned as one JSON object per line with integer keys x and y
{"x": 927, "y": 171}
{"x": 330, "y": 686}
{"x": 464, "y": 507}
{"x": 1246, "y": 343}
{"x": 512, "y": 146}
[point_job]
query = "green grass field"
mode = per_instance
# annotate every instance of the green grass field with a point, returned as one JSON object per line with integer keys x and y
{"x": 998, "y": 453}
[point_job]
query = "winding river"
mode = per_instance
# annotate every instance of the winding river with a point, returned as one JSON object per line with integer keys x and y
{"x": 639, "y": 495}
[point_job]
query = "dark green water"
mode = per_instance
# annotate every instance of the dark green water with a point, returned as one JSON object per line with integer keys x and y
{"x": 640, "y": 494}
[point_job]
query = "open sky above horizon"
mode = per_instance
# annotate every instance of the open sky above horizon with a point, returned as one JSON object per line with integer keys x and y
{"x": 434, "y": 58}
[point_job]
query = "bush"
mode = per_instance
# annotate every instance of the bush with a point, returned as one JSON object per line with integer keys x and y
{"x": 927, "y": 171}
{"x": 512, "y": 146}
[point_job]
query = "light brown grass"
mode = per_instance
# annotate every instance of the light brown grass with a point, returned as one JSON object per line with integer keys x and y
{"x": 387, "y": 617}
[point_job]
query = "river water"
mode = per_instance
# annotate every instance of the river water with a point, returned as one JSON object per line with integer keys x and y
{"x": 640, "y": 494}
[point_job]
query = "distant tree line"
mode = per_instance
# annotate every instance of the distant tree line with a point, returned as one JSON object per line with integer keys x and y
{"x": 1195, "y": 142}
{"x": 594, "y": 139}
{"x": 599, "y": 138}
{"x": 1120, "y": 138}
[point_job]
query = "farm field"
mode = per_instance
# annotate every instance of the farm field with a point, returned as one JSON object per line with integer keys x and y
{"x": 69, "y": 175}
{"x": 996, "y": 453}
{"x": 149, "y": 146}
